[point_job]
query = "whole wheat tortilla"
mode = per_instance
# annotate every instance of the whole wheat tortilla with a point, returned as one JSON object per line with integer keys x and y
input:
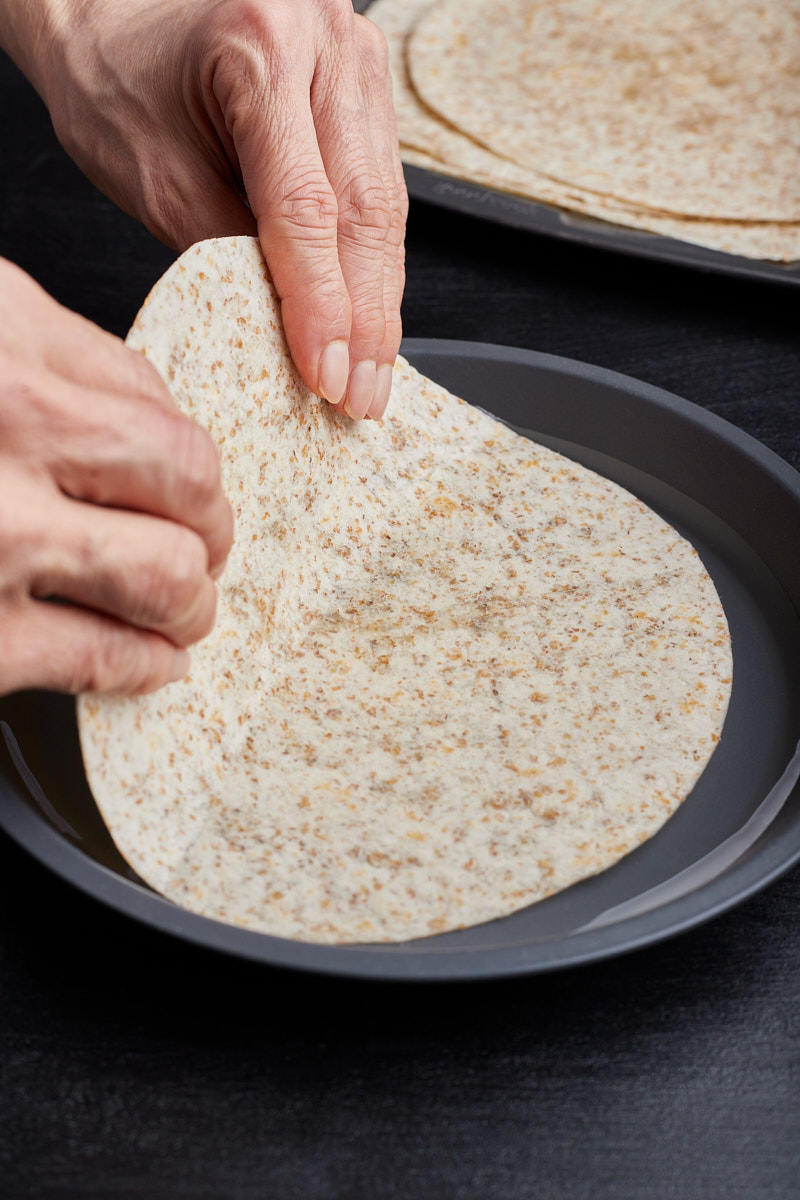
{"x": 429, "y": 141}
{"x": 452, "y": 671}
{"x": 688, "y": 107}
{"x": 755, "y": 239}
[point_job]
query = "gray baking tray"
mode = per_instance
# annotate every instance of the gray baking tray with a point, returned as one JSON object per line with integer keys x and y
{"x": 517, "y": 212}
{"x": 738, "y": 830}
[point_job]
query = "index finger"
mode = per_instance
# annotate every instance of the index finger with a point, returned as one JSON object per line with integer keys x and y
{"x": 264, "y": 94}
{"x": 358, "y": 142}
{"x": 126, "y": 453}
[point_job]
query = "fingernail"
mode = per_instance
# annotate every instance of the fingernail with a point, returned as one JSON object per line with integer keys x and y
{"x": 383, "y": 390}
{"x": 334, "y": 366}
{"x": 360, "y": 389}
{"x": 180, "y": 665}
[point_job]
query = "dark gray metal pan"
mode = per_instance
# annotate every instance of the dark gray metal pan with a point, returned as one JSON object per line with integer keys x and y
{"x": 474, "y": 200}
{"x": 739, "y": 829}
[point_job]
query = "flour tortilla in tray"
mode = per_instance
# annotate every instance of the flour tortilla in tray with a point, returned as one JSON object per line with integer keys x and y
{"x": 452, "y": 671}
{"x": 447, "y": 124}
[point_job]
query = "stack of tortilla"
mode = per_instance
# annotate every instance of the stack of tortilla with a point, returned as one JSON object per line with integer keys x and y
{"x": 452, "y": 672}
{"x": 680, "y": 117}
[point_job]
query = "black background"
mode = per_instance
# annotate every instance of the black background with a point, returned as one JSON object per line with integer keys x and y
{"x": 132, "y": 1065}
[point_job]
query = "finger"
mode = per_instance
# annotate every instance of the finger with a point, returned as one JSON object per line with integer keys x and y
{"x": 149, "y": 573}
{"x": 73, "y": 650}
{"x": 126, "y": 453}
{"x": 266, "y": 107}
{"x": 81, "y": 352}
{"x": 387, "y": 151}
{"x": 345, "y": 102}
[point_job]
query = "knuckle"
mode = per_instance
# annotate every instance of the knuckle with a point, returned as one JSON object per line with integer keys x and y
{"x": 145, "y": 380}
{"x": 365, "y": 212}
{"x": 107, "y": 662}
{"x": 172, "y": 582}
{"x": 372, "y": 53}
{"x": 337, "y": 16}
{"x": 194, "y": 464}
{"x": 395, "y": 285}
{"x": 118, "y": 661}
{"x": 306, "y": 203}
{"x": 241, "y": 22}
{"x": 275, "y": 26}
{"x": 322, "y": 306}
{"x": 341, "y": 10}
{"x": 251, "y": 48}
{"x": 372, "y": 41}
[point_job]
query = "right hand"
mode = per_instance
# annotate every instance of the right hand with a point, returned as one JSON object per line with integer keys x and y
{"x": 177, "y": 110}
{"x": 110, "y": 500}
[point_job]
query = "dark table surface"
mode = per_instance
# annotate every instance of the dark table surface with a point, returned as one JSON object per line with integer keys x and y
{"x": 133, "y": 1065}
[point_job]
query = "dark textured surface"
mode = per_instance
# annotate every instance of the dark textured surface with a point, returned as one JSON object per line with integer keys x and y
{"x": 133, "y": 1066}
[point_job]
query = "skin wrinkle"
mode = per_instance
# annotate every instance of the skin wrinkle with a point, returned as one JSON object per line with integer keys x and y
{"x": 364, "y": 207}
{"x": 305, "y": 197}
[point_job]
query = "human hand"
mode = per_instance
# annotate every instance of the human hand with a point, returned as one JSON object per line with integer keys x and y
{"x": 178, "y": 111}
{"x": 110, "y": 499}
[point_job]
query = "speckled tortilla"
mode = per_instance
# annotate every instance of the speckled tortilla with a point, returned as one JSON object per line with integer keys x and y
{"x": 452, "y": 671}
{"x": 430, "y": 141}
{"x": 674, "y": 105}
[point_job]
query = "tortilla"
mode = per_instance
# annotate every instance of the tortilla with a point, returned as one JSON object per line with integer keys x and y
{"x": 429, "y": 141}
{"x": 757, "y": 240}
{"x": 452, "y": 671}
{"x": 673, "y": 105}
